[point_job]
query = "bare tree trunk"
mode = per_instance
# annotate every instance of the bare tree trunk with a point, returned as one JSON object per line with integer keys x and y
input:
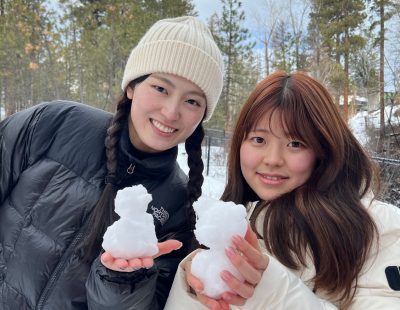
{"x": 78, "y": 61}
{"x": 346, "y": 80}
{"x": 382, "y": 76}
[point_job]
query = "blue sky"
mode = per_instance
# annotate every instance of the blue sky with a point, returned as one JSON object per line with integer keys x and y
{"x": 206, "y": 8}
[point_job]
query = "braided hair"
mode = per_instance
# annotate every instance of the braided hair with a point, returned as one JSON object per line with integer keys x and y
{"x": 103, "y": 215}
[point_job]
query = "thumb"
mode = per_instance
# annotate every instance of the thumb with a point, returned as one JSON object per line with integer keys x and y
{"x": 167, "y": 247}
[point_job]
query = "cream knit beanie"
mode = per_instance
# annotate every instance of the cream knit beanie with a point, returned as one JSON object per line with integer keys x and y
{"x": 183, "y": 46}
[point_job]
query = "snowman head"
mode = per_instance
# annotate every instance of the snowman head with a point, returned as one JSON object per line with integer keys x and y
{"x": 131, "y": 201}
{"x": 218, "y": 221}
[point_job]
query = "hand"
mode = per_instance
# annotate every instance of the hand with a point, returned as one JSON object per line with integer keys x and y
{"x": 129, "y": 265}
{"x": 198, "y": 287}
{"x": 250, "y": 262}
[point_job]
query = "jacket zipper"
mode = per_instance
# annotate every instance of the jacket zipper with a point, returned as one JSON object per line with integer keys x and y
{"x": 131, "y": 169}
{"x": 56, "y": 273}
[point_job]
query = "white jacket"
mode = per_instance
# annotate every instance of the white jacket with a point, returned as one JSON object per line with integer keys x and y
{"x": 282, "y": 288}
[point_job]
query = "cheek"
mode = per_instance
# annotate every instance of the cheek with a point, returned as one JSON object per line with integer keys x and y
{"x": 303, "y": 165}
{"x": 248, "y": 158}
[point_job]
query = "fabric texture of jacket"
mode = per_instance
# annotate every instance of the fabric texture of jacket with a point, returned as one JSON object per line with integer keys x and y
{"x": 283, "y": 289}
{"x": 52, "y": 160}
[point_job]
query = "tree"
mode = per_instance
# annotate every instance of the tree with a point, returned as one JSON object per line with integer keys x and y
{"x": 266, "y": 25}
{"x": 384, "y": 9}
{"x": 339, "y": 22}
{"x": 297, "y": 12}
{"x": 27, "y": 54}
{"x": 283, "y": 47}
{"x": 366, "y": 69}
{"x": 233, "y": 40}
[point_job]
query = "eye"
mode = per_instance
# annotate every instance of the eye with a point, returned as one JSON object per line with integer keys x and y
{"x": 257, "y": 140}
{"x": 160, "y": 89}
{"x": 193, "y": 102}
{"x": 296, "y": 144}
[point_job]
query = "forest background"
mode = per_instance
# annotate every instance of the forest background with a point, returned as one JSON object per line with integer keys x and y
{"x": 77, "y": 50}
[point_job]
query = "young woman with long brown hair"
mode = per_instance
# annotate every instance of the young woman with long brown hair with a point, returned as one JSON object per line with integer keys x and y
{"x": 309, "y": 188}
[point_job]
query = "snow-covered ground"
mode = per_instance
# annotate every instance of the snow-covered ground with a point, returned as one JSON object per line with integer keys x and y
{"x": 359, "y": 122}
{"x": 214, "y": 183}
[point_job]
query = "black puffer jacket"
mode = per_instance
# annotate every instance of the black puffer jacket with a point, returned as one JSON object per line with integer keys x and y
{"x": 52, "y": 162}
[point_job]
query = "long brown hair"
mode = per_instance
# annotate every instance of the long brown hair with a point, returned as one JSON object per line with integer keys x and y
{"x": 324, "y": 217}
{"x": 103, "y": 214}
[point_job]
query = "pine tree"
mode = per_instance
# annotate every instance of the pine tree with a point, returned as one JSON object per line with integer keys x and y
{"x": 339, "y": 22}
{"x": 233, "y": 40}
{"x": 283, "y": 47}
{"x": 384, "y": 9}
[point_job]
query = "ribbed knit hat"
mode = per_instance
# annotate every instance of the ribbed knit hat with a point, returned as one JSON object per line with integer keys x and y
{"x": 183, "y": 46}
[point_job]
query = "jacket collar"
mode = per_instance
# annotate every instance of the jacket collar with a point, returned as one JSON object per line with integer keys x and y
{"x": 146, "y": 165}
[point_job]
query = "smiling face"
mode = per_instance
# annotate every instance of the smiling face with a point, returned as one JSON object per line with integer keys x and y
{"x": 272, "y": 163}
{"x": 166, "y": 109}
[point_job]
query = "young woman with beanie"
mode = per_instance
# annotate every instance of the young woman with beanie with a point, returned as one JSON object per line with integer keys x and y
{"x": 63, "y": 162}
{"x": 324, "y": 241}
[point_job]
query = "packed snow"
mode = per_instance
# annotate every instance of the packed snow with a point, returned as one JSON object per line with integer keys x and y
{"x": 216, "y": 233}
{"x": 133, "y": 235}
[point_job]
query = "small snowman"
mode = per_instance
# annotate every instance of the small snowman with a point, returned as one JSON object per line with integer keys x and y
{"x": 133, "y": 235}
{"x": 217, "y": 222}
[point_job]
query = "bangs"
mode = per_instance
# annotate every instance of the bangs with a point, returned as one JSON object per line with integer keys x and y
{"x": 294, "y": 118}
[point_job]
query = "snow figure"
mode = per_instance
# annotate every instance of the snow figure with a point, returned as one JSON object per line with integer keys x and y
{"x": 133, "y": 235}
{"x": 217, "y": 222}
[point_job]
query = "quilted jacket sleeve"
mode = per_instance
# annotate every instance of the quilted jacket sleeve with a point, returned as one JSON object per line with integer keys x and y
{"x": 107, "y": 289}
{"x": 16, "y": 133}
{"x": 145, "y": 289}
{"x": 279, "y": 289}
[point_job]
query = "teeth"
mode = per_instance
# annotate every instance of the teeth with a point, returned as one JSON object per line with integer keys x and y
{"x": 162, "y": 128}
{"x": 271, "y": 178}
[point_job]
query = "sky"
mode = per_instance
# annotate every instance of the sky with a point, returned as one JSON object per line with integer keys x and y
{"x": 206, "y": 8}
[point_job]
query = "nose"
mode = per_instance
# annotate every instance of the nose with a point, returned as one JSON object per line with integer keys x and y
{"x": 170, "y": 110}
{"x": 273, "y": 155}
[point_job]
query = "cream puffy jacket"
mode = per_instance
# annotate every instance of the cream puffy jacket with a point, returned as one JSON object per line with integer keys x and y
{"x": 378, "y": 286}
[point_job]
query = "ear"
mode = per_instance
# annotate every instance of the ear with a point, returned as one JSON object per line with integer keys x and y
{"x": 129, "y": 92}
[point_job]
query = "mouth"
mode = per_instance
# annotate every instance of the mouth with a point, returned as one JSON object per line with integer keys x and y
{"x": 272, "y": 179}
{"x": 162, "y": 127}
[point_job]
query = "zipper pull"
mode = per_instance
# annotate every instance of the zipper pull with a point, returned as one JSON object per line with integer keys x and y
{"x": 131, "y": 169}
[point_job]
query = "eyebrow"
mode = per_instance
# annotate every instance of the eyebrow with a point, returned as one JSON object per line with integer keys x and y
{"x": 170, "y": 83}
{"x": 260, "y": 129}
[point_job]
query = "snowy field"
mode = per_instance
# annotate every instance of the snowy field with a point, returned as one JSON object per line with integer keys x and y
{"x": 214, "y": 183}
{"x": 359, "y": 122}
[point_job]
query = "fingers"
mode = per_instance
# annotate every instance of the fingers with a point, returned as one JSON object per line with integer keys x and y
{"x": 233, "y": 299}
{"x": 251, "y": 238}
{"x": 123, "y": 265}
{"x": 167, "y": 247}
{"x": 243, "y": 289}
{"x": 116, "y": 264}
{"x": 212, "y": 303}
{"x": 192, "y": 281}
{"x": 253, "y": 254}
{"x": 135, "y": 263}
{"x": 106, "y": 258}
{"x": 250, "y": 262}
{"x": 250, "y": 274}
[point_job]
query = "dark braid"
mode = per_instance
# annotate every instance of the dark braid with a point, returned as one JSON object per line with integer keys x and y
{"x": 196, "y": 166}
{"x": 103, "y": 215}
